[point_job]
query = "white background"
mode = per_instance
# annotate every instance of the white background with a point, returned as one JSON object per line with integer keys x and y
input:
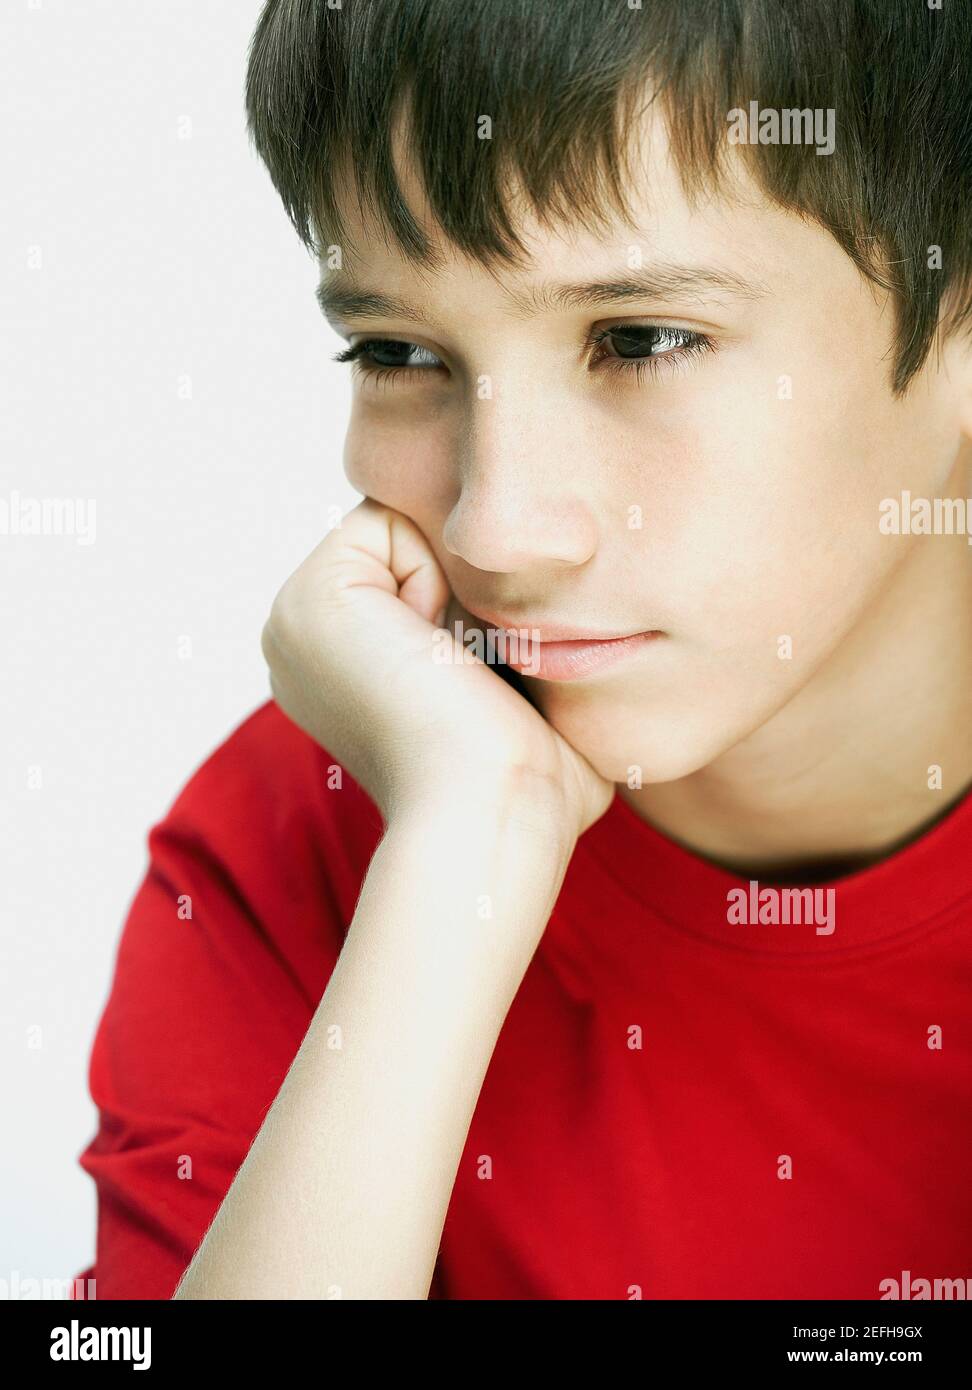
{"x": 164, "y": 253}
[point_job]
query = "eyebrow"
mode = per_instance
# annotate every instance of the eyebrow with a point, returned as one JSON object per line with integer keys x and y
{"x": 340, "y": 297}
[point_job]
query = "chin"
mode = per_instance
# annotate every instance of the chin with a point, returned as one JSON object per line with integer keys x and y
{"x": 656, "y": 747}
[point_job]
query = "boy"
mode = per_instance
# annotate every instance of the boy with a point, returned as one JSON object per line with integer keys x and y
{"x": 634, "y": 964}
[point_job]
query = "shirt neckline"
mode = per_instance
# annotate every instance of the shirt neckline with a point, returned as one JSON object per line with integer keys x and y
{"x": 885, "y": 902}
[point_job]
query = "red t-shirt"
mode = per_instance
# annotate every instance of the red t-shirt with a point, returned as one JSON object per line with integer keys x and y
{"x": 679, "y": 1105}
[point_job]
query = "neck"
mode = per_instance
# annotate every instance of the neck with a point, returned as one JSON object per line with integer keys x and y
{"x": 844, "y": 775}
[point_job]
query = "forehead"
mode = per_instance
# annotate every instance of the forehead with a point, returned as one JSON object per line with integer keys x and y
{"x": 732, "y": 234}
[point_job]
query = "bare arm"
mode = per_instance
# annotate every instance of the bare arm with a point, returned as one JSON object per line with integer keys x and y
{"x": 345, "y": 1189}
{"x": 346, "y": 1186}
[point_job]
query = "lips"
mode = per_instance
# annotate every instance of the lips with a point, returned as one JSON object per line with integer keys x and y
{"x": 548, "y": 632}
{"x": 554, "y": 651}
{"x": 571, "y": 661}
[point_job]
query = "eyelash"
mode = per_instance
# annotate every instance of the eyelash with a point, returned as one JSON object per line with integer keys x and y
{"x": 693, "y": 345}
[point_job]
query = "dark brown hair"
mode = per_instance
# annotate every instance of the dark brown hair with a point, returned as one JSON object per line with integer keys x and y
{"x": 563, "y": 82}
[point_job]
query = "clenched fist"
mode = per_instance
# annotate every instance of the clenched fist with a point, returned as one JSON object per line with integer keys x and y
{"x": 354, "y": 643}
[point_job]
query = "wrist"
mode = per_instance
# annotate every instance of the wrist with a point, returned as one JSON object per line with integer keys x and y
{"x": 471, "y": 878}
{"x": 517, "y": 798}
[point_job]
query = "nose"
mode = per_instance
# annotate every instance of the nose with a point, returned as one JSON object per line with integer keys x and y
{"x": 521, "y": 501}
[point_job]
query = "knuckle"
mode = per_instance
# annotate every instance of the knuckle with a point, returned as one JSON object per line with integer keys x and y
{"x": 268, "y": 643}
{"x": 278, "y": 630}
{"x": 285, "y": 627}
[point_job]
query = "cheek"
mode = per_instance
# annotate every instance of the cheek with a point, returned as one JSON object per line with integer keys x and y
{"x": 404, "y": 466}
{"x": 778, "y": 532}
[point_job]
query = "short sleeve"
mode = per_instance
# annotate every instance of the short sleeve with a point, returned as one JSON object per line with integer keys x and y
{"x": 226, "y": 950}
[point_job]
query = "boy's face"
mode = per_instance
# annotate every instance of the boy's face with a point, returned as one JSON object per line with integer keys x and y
{"x": 726, "y": 494}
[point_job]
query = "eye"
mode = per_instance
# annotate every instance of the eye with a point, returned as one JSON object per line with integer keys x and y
{"x": 649, "y": 348}
{"x": 386, "y": 357}
{"x": 624, "y": 347}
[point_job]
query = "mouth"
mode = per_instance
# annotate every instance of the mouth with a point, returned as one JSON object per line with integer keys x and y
{"x": 551, "y": 651}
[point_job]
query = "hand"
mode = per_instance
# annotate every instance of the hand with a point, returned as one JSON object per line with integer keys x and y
{"x": 357, "y": 661}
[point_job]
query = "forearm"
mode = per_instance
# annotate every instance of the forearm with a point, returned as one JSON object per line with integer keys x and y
{"x": 345, "y": 1189}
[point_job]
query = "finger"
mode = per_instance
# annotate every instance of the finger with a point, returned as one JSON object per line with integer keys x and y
{"x": 384, "y": 549}
{"x": 420, "y": 578}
